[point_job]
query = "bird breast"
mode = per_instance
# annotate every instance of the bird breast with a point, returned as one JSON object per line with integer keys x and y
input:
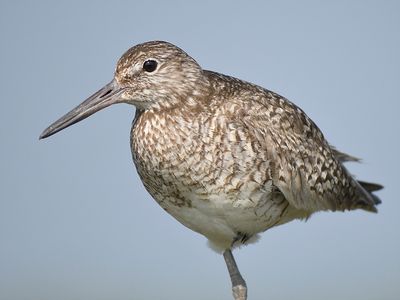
{"x": 204, "y": 169}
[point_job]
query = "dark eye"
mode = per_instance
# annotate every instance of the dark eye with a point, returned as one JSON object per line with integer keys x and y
{"x": 150, "y": 65}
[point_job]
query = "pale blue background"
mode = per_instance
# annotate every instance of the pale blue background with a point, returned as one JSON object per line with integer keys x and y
{"x": 75, "y": 221}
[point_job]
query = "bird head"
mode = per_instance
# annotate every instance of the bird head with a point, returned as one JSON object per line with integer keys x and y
{"x": 152, "y": 75}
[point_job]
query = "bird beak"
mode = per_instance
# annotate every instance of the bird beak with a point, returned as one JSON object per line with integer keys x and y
{"x": 106, "y": 96}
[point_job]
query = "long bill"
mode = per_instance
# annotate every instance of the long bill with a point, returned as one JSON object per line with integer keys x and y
{"x": 106, "y": 96}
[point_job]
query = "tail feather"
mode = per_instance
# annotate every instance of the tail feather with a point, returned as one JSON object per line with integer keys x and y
{"x": 372, "y": 187}
{"x": 368, "y": 200}
{"x": 344, "y": 157}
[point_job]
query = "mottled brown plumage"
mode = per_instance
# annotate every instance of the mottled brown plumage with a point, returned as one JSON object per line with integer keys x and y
{"x": 234, "y": 153}
{"x": 226, "y": 158}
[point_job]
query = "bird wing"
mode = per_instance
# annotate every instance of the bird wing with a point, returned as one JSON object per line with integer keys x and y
{"x": 304, "y": 167}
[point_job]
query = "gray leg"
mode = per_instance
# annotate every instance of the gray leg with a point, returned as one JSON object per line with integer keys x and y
{"x": 239, "y": 287}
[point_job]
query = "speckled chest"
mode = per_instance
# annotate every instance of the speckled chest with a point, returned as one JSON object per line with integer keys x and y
{"x": 183, "y": 158}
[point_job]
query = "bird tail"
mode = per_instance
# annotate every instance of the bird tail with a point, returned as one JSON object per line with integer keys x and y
{"x": 372, "y": 187}
{"x": 368, "y": 199}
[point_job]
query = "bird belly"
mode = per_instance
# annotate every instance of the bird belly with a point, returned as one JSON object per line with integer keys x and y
{"x": 225, "y": 217}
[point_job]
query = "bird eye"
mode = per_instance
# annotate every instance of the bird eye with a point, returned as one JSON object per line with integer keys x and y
{"x": 150, "y": 65}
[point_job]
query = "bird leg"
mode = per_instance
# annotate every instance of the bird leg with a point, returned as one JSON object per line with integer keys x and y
{"x": 239, "y": 287}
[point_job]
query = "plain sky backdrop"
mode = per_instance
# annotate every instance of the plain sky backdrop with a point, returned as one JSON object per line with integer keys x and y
{"x": 76, "y": 222}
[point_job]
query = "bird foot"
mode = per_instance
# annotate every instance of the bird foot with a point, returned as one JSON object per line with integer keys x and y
{"x": 239, "y": 292}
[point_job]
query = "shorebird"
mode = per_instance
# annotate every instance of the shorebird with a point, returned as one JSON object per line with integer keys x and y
{"x": 226, "y": 158}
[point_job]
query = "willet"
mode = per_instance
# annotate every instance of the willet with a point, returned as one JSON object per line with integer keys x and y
{"x": 226, "y": 158}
